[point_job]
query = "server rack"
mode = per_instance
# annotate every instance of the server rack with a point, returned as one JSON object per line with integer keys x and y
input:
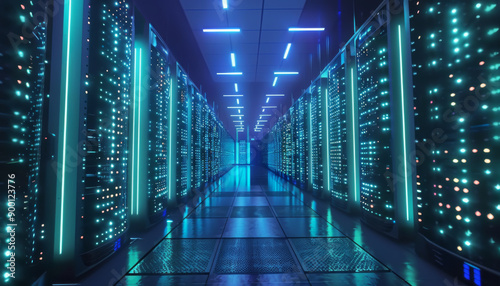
{"x": 455, "y": 64}
{"x": 90, "y": 112}
{"x": 377, "y": 195}
{"x": 25, "y": 76}
{"x": 196, "y": 140}
{"x": 158, "y": 127}
{"x": 337, "y": 124}
{"x": 183, "y": 124}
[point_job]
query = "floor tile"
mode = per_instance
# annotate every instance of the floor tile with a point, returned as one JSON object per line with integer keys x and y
{"x": 291, "y": 279}
{"x": 223, "y": 194}
{"x": 247, "y": 256}
{"x": 333, "y": 255}
{"x": 250, "y": 201}
{"x": 250, "y": 194}
{"x": 294, "y": 211}
{"x": 371, "y": 279}
{"x": 210, "y": 212}
{"x": 252, "y": 211}
{"x": 308, "y": 227}
{"x": 163, "y": 280}
{"x": 199, "y": 228}
{"x": 285, "y": 201}
{"x": 178, "y": 256}
{"x": 218, "y": 201}
{"x": 253, "y": 227}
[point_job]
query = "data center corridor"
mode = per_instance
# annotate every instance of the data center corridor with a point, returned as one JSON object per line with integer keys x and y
{"x": 250, "y": 142}
{"x": 255, "y": 228}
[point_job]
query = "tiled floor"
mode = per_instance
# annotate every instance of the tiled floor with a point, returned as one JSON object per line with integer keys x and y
{"x": 257, "y": 229}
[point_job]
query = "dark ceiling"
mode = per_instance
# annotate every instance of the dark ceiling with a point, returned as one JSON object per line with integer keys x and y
{"x": 259, "y": 47}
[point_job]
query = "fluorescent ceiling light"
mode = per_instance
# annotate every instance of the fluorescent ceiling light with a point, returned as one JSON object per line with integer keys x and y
{"x": 239, "y": 110}
{"x": 287, "y": 50}
{"x": 229, "y": 73}
{"x": 261, "y": 121}
{"x": 233, "y": 60}
{"x": 259, "y": 125}
{"x": 305, "y": 29}
{"x": 275, "y": 80}
{"x": 235, "y": 107}
{"x": 265, "y": 115}
{"x": 231, "y": 30}
{"x": 237, "y": 101}
{"x": 237, "y": 115}
{"x": 286, "y": 73}
{"x": 238, "y": 121}
{"x": 263, "y": 110}
{"x": 267, "y": 100}
{"x": 269, "y": 106}
{"x": 271, "y": 95}
{"x": 224, "y": 4}
{"x": 235, "y": 87}
{"x": 233, "y": 95}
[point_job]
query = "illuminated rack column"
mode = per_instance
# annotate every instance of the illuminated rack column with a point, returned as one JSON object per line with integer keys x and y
{"x": 23, "y": 129}
{"x": 386, "y": 120}
{"x": 183, "y": 101}
{"x": 150, "y": 127}
{"x": 456, "y": 64}
{"x": 337, "y": 134}
{"x": 95, "y": 92}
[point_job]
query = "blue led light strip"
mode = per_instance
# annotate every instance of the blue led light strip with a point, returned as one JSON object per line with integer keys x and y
{"x": 63, "y": 179}
{"x": 327, "y": 138}
{"x": 133, "y": 136}
{"x": 354, "y": 137}
{"x": 405, "y": 159}
{"x": 139, "y": 130}
{"x": 310, "y": 140}
{"x": 170, "y": 140}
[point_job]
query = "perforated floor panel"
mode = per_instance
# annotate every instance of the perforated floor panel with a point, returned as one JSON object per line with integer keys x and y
{"x": 178, "y": 256}
{"x": 261, "y": 255}
{"x": 294, "y": 211}
{"x": 252, "y": 211}
{"x": 334, "y": 255}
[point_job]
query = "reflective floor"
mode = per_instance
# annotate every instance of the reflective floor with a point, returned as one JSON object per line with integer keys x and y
{"x": 254, "y": 228}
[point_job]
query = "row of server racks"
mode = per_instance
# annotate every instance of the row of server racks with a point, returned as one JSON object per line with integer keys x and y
{"x": 101, "y": 132}
{"x": 402, "y": 128}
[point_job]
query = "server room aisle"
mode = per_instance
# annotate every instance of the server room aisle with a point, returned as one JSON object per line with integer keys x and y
{"x": 257, "y": 230}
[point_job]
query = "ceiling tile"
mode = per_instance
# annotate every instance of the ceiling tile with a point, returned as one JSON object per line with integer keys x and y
{"x": 284, "y": 4}
{"x": 280, "y": 19}
{"x": 245, "y": 19}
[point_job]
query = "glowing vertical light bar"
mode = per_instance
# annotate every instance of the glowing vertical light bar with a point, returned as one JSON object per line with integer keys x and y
{"x": 139, "y": 130}
{"x": 132, "y": 204}
{"x": 233, "y": 60}
{"x": 171, "y": 140}
{"x": 310, "y": 142}
{"x": 403, "y": 122}
{"x": 65, "y": 135}
{"x": 354, "y": 137}
{"x": 224, "y": 4}
{"x": 327, "y": 138}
